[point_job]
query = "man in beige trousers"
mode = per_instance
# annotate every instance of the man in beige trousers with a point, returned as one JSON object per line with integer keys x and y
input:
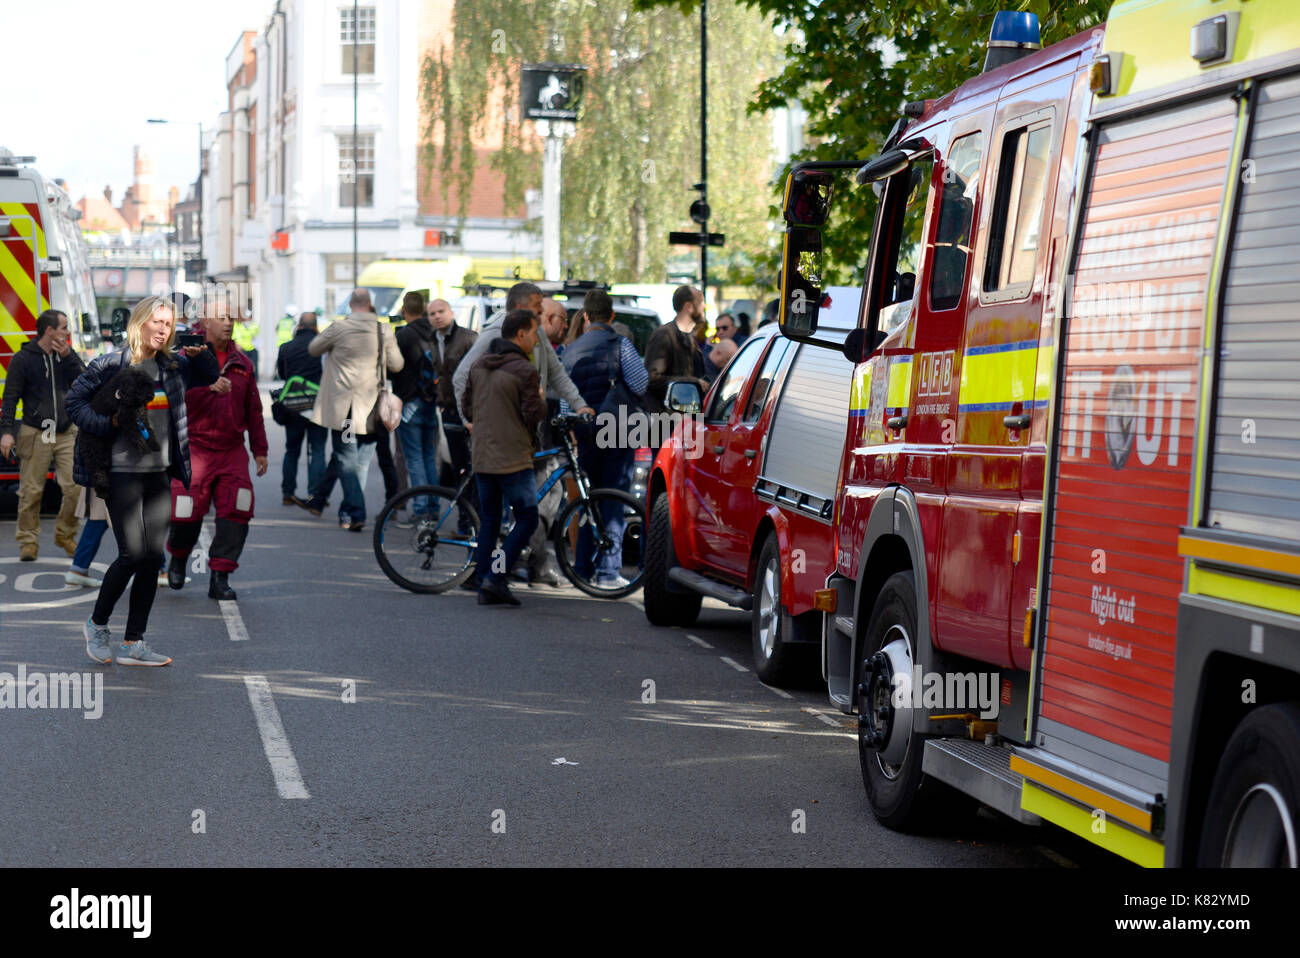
{"x": 39, "y": 375}
{"x": 349, "y": 387}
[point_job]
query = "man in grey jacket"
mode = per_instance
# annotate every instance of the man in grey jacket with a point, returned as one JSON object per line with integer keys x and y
{"x": 555, "y": 381}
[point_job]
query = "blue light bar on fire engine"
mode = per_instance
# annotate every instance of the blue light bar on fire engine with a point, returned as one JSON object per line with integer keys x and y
{"x": 1014, "y": 35}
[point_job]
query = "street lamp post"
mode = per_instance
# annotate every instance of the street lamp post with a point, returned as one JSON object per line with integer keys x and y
{"x": 198, "y": 192}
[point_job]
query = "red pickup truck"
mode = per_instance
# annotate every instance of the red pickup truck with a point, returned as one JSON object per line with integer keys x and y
{"x": 740, "y": 499}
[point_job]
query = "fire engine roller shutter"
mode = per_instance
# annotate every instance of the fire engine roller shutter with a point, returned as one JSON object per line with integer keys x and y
{"x": 1125, "y": 438}
{"x": 806, "y": 438}
{"x": 1255, "y": 478}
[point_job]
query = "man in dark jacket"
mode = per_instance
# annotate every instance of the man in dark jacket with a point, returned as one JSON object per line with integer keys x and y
{"x": 672, "y": 352}
{"x": 504, "y": 402}
{"x": 294, "y": 360}
{"x": 40, "y": 375}
{"x": 219, "y": 416}
{"x": 452, "y": 343}
{"x": 416, "y": 385}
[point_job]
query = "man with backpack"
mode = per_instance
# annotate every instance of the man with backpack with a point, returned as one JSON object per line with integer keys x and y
{"x": 416, "y": 385}
{"x": 606, "y": 369}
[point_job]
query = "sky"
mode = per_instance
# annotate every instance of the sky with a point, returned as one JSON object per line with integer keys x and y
{"x": 83, "y": 76}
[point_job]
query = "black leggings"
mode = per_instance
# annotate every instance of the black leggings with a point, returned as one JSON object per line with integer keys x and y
{"x": 139, "y": 507}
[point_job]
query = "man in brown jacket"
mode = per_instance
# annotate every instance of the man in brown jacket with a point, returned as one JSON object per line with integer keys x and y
{"x": 503, "y": 402}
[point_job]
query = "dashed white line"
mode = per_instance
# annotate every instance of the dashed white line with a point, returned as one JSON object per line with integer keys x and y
{"x": 781, "y": 692}
{"x": 833, "y": 722}
{"x": 733, "y": 663}
{"x": 234, "y": 621}
{"x": 284, "y": 767}
{"x": 698, "y": 641}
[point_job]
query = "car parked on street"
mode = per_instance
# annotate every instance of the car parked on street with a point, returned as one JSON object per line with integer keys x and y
{"x": 741, "y": 497}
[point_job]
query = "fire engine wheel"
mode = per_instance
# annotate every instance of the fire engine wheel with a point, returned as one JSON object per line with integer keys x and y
{"x": 902, "y": 797}
{"x": 1252, "y": 819}
{"x": 663, "y": 607}
{"x": 777, "y": 660}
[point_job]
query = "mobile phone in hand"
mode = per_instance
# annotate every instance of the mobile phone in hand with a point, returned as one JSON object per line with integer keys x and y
{"x": 190, "y": 339}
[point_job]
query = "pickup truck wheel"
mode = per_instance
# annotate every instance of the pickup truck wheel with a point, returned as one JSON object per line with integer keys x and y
{"x": 1252, "y": 819}
{"x": 663, "y": 607}
{"x": 902, "y": 797}
{"x": 777, "y": 660}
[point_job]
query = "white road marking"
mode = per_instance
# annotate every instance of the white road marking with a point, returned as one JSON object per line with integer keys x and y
{"x": 781, "y": 692}
{"x": 734, "y": 664}
{"x": 234, "y": 621}
{"x": 698, "y": 641}
{"x": 833, "y": 722}
{"x": 284, "y": 767}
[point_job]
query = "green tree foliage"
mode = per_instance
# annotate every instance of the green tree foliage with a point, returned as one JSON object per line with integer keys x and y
{"x": 853, "y": 65}
{"x": 628, "y": 170}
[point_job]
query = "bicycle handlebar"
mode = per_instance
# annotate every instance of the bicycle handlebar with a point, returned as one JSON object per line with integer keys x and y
{"x": 573, "y": 419}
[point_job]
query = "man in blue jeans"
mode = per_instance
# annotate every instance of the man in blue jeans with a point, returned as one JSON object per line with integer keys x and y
{"x": 417, "y": 387}
{"x": 504, "y": 403}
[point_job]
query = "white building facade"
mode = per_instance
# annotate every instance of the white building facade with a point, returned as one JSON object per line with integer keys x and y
{"x": 279, "y": 182}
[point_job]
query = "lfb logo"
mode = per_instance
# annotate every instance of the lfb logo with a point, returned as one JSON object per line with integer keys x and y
{"x": 935, "y": 372}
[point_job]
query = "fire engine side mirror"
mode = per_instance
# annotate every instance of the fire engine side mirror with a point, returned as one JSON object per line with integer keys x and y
{"x": 854, "y": 344}
{"x": 808, "y": 197}
{"x": 87, "y": 326}
{"x": 121, "y": 315}
{"x": 801, "y": 282}
{"x": 884, "y": 166}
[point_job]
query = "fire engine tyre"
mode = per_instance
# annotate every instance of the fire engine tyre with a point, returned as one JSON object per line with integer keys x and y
{"x": 1252, "y": 819}
{"x": 777, "y": 660}
{"x": 663, "y": 607}
{"x": 902, "y": 797}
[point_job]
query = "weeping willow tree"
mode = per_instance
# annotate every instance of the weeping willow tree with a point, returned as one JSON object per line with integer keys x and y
{"x": 628, "y": 169}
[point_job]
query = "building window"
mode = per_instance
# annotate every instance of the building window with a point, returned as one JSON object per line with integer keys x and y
{"x": 364, "y": 36}
{"x": 363, "y": 173}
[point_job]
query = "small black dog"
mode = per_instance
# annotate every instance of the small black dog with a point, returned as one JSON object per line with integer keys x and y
{"x": 127, "y": 397}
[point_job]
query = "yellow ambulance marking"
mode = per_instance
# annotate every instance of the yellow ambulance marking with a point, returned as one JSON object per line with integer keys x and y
{"x": 23, "y": 223}
{"x": 1265, "y": 595}
{"x": 1082, "y": 793}
{"x": 1139, "y": 849}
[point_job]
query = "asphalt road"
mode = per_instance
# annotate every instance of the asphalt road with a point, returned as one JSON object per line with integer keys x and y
{"x": 329, "y": 718}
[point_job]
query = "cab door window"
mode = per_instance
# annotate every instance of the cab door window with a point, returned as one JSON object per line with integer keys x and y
{"x": 733, "y": 380}
{"x": 956, "y": 215}
{"x": 905, "y": 244}
{"x": 1018, "y": 210}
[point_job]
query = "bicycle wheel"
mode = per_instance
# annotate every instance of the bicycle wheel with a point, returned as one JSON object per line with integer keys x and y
{"x": 589, "y": 546}
{"x": 434, "y": 550}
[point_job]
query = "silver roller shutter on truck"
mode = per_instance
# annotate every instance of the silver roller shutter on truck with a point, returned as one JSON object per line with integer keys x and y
{"x": 1255, "y": 477}
{"x": 805, "y": 441}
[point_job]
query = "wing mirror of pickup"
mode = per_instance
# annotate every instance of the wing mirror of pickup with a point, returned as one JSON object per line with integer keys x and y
{"x": 684, "y": 396}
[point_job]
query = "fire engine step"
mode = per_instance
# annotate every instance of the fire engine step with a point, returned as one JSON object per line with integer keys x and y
{"x": 718, "y": 590}
{"x": 982, "y": 771}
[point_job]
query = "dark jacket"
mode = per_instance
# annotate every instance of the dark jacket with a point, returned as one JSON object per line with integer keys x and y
{"x": 671, "y": 354}
{"x": 178, "y": 375}
{"x": 413, "y": 339}
{"x": 34, "y": 377}
{"x": 503, "y": 400}
{"x": 459, "y": 341}
{"x": 218, "y": 421}
{"x": 294, "y": 360}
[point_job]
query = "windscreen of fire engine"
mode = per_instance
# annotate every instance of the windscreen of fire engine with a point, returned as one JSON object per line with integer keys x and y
{"x": 956, "y": 214}
{"x": 1018, "y": 213}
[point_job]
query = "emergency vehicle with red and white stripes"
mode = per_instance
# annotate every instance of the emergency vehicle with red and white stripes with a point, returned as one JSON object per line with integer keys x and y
{"x": 1068, "y": 511}
{"x": 43, "y": 265}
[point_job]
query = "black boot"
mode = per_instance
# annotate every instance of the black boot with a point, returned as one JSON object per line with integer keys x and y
{"x": 176, "y": 571}
{"x": 219, "y": 587}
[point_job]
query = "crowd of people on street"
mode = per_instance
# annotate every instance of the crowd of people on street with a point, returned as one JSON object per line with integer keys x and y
{"x": 489, "y": 395}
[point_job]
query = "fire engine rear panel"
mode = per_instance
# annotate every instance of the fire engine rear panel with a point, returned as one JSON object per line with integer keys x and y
{"x": 1256, "y": 438}
{"x": 1125, "y": 435}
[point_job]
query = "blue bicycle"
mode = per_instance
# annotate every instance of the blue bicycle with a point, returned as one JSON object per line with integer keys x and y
{"x": 435, "y": 549}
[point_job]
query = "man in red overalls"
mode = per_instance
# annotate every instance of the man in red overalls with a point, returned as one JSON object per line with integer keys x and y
{"x": 219, "y": 415}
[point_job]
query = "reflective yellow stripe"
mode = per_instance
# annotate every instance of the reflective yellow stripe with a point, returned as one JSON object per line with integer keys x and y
{"x": 1082, "y": 793}
{"x": 860, "y": 388}
{"x": 18, "y": 279}
{"x": 1001, "y": 377}
{"x": 1265, "y": 560}
{"x": 1144, "y": 851}
{"x": 1265, "y": 595}
{"x": 900, "y": 383}
{"x": 25, "y": 225}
